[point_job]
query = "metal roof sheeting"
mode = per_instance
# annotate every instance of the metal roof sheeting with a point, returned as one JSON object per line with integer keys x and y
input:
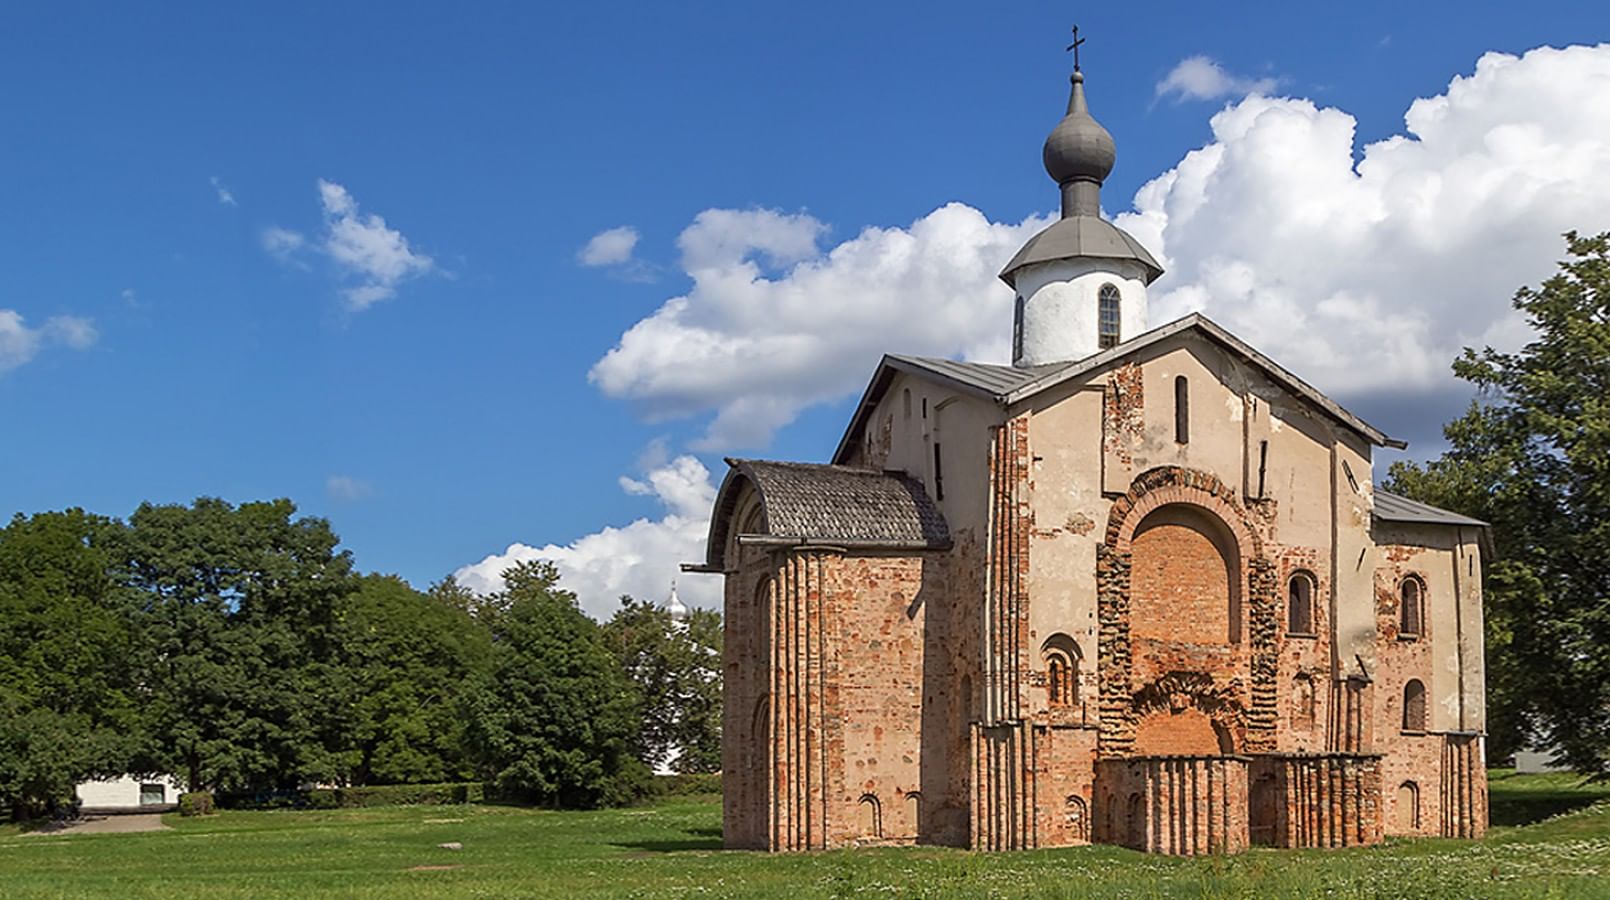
{"x": 1082, "y": 237}
{"x": 1390, "y": 507}
{"x": 1007, "y": 385}
{"x": 997, "y": 381}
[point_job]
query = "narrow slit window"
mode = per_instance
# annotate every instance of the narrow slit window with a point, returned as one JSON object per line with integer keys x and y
{"x": 1182, "y": 410}
{"x": 1017, "y": 328}
{"x": 939, "y": 474}
{"x": 907, "y": 395}
{"x": 1263, "y": 465}
{"x": 1107, "y": 308}
{"x": 1352, "y": 481}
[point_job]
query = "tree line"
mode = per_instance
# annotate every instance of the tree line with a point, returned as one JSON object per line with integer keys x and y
{"x": 235, "y": 648}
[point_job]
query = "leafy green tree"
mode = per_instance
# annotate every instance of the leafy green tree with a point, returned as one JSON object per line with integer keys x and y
{"x": 1532, "y": 457}
{"x": 408, "y": 660}
{"x": 677, "y": 670}
{"x": 555, "y": 720}
{"x": 238, "y": 638}
{"x": 67, "y": 705}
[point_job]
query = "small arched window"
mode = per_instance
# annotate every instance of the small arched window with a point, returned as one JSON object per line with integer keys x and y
{"x": 1411, "y": 608}
{"x": 1061, "y": 656}
{"x": 1414, "y": 707}
{"x": 1107, "y": 309}
{"x": 1182, "y": 410}
{"x": 1300, "y": 605}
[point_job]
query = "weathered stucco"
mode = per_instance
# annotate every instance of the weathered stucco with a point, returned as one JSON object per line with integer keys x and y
{"x": 1107, "y": 643}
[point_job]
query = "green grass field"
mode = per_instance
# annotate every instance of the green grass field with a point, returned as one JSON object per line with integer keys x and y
{"x": 1553, "y": 841}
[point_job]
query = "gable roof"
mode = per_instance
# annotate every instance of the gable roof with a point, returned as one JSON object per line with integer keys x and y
{"x": 1390, "y": 507}
{"x": 829, "y": 504}
{"x": 1007, "y": 385}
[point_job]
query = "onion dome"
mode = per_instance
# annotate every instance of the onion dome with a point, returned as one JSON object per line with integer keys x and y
{"x": 1080, "y": 154}
{"x": 1079, "y": 149}
{"x": 673, "y": 604}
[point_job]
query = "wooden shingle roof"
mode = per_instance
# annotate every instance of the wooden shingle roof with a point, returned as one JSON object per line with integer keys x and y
{"x": 828, "y": 504}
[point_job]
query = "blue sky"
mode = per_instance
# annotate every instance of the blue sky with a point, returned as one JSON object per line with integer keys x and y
{"x": 161, "y": 348}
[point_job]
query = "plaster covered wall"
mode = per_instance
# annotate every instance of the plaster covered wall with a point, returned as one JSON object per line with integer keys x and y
{"x": 1058, "y": 301}
{"x": 935, "y": 669}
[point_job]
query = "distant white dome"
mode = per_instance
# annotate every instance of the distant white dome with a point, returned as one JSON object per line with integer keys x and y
{"x": 679, "y": 612}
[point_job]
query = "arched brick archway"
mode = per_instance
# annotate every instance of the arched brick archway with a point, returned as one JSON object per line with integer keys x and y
{"x": 1252, "y": 584}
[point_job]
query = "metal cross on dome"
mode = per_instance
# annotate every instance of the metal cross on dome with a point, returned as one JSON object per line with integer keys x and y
{"x": 1077, "y": 40}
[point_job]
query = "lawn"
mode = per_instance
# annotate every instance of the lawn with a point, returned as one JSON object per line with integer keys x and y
{"x": 1555, "y": 843}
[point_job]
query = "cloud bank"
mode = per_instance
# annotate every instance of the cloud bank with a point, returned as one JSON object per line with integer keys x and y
{"x": 774, "y": 323}
{"x": 639, "y": 559}
{"x": 1362, "y": 278}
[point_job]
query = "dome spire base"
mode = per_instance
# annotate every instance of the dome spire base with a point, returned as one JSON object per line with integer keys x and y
{"x": 1081, "y": 198}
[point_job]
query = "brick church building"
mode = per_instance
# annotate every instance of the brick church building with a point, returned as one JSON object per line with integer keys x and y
{"x": 1136, "y": 588}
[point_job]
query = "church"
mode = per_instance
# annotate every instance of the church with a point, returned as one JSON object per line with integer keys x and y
{"x": 1136, "y": 588}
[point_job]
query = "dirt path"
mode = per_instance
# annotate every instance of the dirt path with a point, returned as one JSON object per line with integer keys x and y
{"x": 106, "y": 825}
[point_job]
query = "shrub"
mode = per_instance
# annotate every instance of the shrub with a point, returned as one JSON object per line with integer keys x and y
{"x": 682, "y": 785}
{"x": 320, "y": 798}
{"x": 196, "y": 803}
{"x": 360, "y": 797}
{"x": 409, "y": 795}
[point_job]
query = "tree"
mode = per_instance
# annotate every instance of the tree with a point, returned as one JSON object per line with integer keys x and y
{"x": 554, "y": 721}
{"x": 406, "y": 661}
{"x": 67, "y": 710}
{"x": 677, "y": 671}
{"x": 238, "y": 641}
{"x": 1532, "y": 457}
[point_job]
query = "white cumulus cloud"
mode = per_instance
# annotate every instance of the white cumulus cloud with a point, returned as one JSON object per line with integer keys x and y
{"x": 612, "y": 247}
{"x": 1369, "y": 278}
{"x": 1202, "y": 78}
{"x": 370, "y": 255}
{"x": 639, "y": 558}
{"x": 774, "y": 323}
{"x": 378, "y": 256}
{"x": 19, "y": 343}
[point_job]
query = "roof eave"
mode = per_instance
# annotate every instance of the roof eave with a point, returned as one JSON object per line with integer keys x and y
{"x": 881, "y": 378}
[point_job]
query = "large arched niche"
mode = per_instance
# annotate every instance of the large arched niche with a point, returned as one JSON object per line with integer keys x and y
{"x": 1184, "y": 577}
{"x": 1137, "y": 646}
